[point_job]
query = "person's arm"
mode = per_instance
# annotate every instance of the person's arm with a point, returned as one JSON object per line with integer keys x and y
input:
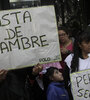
{"x": 34, "y": 71}
{"x": 37, "y": 69}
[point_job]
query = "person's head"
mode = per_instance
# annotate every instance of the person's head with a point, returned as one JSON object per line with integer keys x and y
{"x": 63, "y": 34}
{"x": 81, "y": 48}
{"x": 54, "y": 74}
{"x": 84, "y": 43}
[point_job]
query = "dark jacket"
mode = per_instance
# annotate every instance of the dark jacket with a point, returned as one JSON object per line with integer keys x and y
{"x": 56, "y": 91}
{"x": 13, "y": 87}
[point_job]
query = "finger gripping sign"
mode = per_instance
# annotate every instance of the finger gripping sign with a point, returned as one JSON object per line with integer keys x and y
{"x": 81, "y": 85}
{"x": 28, "y": 36}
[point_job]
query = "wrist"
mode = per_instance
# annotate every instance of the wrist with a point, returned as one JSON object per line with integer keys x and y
{"x": 68, "y": 51}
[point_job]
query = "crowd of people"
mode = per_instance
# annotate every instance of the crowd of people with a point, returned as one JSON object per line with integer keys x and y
{"x": 49, "y": 81}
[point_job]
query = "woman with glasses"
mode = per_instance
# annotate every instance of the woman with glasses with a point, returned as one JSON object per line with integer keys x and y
{"x": 66, "y": 44}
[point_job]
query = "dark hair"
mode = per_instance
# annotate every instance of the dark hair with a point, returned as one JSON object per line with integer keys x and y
{"x": 64, "y": 29}
{"x": 79, "y": 38}
{"x": 49, "y": 72}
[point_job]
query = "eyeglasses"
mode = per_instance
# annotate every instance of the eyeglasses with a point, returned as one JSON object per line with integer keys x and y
{"x": 62, "y": 35}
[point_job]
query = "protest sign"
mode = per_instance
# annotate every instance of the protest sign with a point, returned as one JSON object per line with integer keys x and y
{"x": 81, "y": 85}
{"x": 28, "y": 36}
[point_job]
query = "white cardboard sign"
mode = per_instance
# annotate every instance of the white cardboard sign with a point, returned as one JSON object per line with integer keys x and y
{"x": 81, "y": 85}
{"x": 28, "y": 36}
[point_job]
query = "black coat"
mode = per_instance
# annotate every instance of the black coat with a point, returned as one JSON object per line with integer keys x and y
{"x": 13, "y": 87}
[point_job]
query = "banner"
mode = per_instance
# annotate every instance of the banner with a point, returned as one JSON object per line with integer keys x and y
{"x": 28, "y": 36}
{"x": 81, "y": 85}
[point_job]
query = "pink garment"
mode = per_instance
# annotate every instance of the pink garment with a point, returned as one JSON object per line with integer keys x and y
{"x": 54, "y": 64}
{"x": 69, "y": 47}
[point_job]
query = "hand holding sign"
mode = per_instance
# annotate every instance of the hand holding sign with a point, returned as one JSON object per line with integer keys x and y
{"x": 3, "y": 74}
{"x": 38, "y": 68}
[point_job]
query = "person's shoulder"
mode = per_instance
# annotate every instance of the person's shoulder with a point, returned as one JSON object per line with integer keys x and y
{"x": 50, "y": 89}
{"x": 51, "y": 85}
{"x": 69, "y": 59}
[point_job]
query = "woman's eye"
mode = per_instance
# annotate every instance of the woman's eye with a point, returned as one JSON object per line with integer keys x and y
{"x": 57, "y": 72}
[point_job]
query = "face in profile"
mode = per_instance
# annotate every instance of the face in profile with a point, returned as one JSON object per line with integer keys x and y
{"x": 57, "y": 76}
{"x": 85, "y": 47}
{"x": 63, "y": 37}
